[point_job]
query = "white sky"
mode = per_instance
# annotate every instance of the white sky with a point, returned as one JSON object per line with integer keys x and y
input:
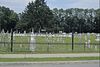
{"x": 19, "y": 5}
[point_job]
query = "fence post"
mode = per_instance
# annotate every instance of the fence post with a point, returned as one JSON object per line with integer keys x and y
{"x": 0, "y": 27}
{"x": 11, "y": 40}
{"x": 72, "y": 40}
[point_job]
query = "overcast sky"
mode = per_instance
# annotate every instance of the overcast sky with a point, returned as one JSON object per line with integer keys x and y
{"x": 19, "y": 5}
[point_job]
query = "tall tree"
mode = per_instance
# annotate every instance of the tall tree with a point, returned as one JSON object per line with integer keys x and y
{"x": 97, "y": 21}
{"x": 38, "y": 16}
{"x": 8, "y": 19}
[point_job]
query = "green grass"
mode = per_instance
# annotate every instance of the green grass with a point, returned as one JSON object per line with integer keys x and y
{"x": 24, "y": 40}
{"x": 47, "y": 59}
{"x": 63, "y": 44}
{"x": 79, "y": 45}
{"x": 23, "y": 43}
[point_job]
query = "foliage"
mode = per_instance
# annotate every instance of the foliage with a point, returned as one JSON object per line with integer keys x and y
{"x": 37, "y": 15}
{"x": 40, "y": 17}
{"x": 8, "y": 19}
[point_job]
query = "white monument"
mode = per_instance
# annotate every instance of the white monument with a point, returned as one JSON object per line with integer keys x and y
{"x": 32, "y": 41}
{"x": 88, "y": 44}
{"x": 97, "y": 37}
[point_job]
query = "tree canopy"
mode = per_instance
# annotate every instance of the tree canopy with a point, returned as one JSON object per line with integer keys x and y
{"x": 38, "y": 16}
{"x": 8, "y": 19}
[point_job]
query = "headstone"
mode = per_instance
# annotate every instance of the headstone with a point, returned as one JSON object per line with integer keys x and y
{"x": 19, "y": 32}
{"x": 88, "y": 36}
{"x": 32, "y": 31}
{"x": 89, "y": 43}
{"x": 60, "y": 32}
{"x": 97, "y": 37}
{"x": 3, "y": 31}
{"x": 24, "y": 32}
{"x": 39, "y": 31}
{"x": 80, "y": 38}
{"x": 32, "y": 43}
{"x": 2, "y": 36}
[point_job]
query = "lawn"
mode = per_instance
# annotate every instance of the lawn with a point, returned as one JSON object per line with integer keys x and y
{"x": 51, "y": 44}
{"x": 47, "y": 59}
{"x": 63, "y": 44}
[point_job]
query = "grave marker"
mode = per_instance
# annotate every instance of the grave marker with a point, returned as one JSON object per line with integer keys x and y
{"x": 32, "y": 43}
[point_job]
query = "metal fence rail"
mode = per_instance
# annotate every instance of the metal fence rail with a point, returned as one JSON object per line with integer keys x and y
{"x": 47, "y": 43}
{"x": 49, "y": 47}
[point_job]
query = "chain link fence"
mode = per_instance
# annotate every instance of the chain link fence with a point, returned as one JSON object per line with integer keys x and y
{"x": 48, "y": 43}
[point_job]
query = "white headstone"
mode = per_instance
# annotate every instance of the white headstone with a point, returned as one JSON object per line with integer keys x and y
{"x": 89, "y": 43}
{"x": 32, "y": 43}
{"x": 19, "y": 32}
{"x": 88, "y": 35}
{"x": 97, "y": 37}
{"x": 24, "y": 32}
{"x": 2, "y": 31}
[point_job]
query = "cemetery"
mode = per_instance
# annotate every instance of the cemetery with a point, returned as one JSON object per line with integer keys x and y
{"x": 49, "y": 33}
{"x": 45, "y": 43}
{"x": 41, "y": 29}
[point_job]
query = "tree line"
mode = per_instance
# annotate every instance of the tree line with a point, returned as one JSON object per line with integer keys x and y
{"x": 38, "y": 16}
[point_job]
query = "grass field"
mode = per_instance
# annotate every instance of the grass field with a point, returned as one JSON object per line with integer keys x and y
{"x": 52, "y": 44}
{"x": 47, "y": 59}
{"x": 64, "y": 45}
